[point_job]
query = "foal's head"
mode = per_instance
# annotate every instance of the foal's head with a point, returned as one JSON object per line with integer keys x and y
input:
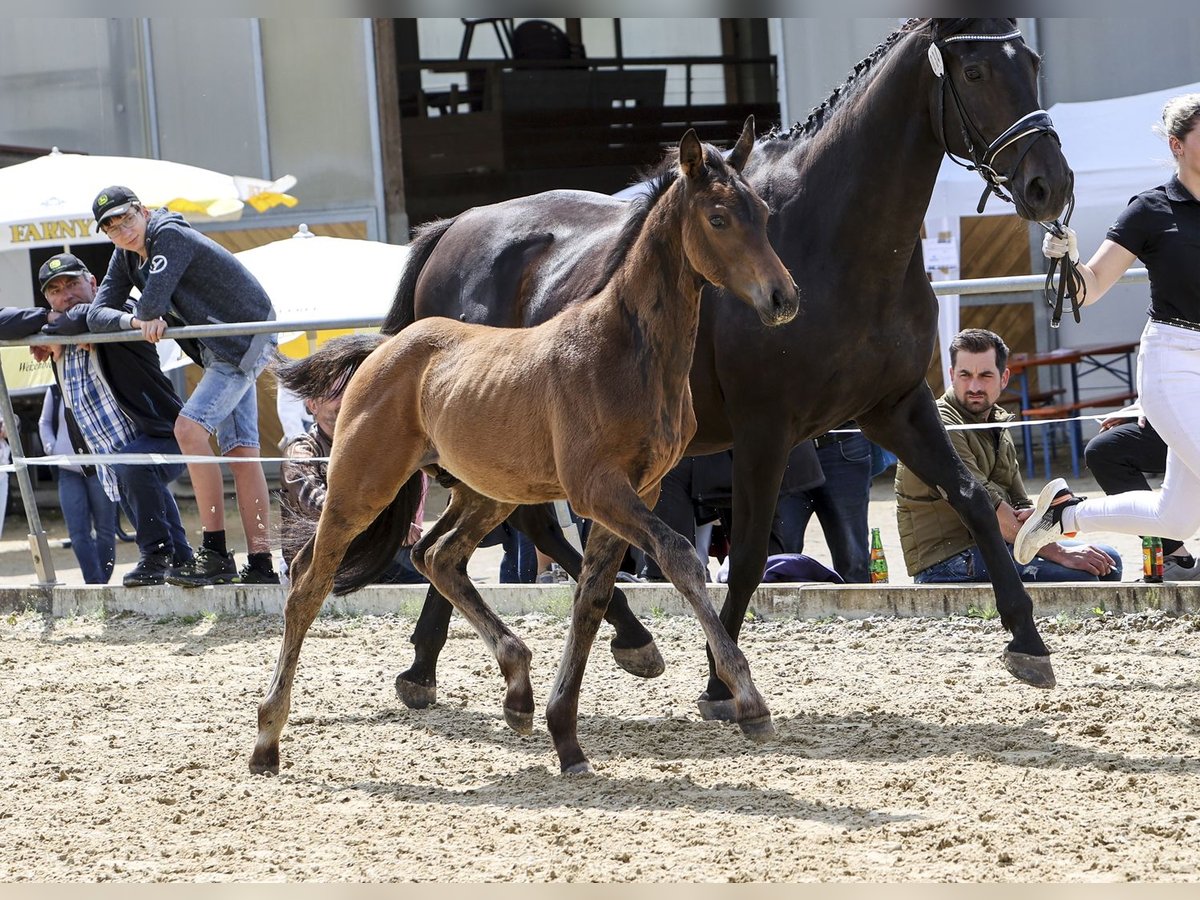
{"x": 725, "y": 229}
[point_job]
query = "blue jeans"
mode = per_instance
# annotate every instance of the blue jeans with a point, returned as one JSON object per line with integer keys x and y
{"x": 840, "y": 504}
{"x": 968, "y": 567}
{"x": 224, "y": 402}
{"x": 87, "y": 509}
{"x": 152, "y": 507}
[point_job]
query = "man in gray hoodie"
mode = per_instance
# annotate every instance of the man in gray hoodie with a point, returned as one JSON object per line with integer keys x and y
{"x": 187, "y": 279}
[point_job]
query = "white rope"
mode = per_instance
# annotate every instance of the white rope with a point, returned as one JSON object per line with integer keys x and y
{"x": 159, "y": 459}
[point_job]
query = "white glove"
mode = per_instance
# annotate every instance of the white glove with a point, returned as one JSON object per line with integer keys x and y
{"x": 1056, "y": 247}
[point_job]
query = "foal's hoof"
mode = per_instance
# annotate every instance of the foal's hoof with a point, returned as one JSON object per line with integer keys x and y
{"x": 759, "y": 730}
{"x": 265, "y": 762}
{"x": 644, "y": 661}
{"x": 579, "y": 768}
{"x": 413, "y": 695}
{"x": 716, "y": 710}
{"x": 1034, "y": 670}
{"x": 520, "y": 722}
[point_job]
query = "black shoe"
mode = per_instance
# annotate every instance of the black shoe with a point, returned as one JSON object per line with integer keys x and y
{"x": 151, "y": 569}
{"x": 251, "y": 575}
{"x": 209, "y": 567}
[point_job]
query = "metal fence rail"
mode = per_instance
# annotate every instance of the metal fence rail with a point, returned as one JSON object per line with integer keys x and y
{"x": 39, "y": 548}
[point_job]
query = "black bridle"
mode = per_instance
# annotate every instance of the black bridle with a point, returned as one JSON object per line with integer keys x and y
{"x": 983, "y": 155}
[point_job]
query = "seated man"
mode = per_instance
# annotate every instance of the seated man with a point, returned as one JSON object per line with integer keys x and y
{"x": 305, "y": 485}
{"x": 1119, "y": 456}
{"x": 937, "y": 545}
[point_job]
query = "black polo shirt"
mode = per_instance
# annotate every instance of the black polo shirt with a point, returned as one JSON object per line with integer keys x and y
{"x": 1162, "y": 228}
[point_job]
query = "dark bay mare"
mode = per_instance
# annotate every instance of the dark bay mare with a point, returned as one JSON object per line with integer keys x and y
{"x": 848, "y": 191}
{"x": 593, "y": 405}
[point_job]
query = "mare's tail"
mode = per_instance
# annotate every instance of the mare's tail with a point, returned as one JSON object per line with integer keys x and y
{"x": 371, "y": 553}
{"x": 420, "y": 248}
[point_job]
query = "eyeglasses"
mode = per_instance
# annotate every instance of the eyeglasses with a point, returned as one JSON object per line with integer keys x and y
{"x": 125, "y": 220}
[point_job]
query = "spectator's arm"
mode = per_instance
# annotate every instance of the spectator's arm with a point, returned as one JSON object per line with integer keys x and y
{"x": 19, "y": 322}
{"x": 47, "y": 427}
{"x": 963, "y": 449}
{"x": 304, "y": 480}
{"x": 175, "y": 251}
{"x": 107, "y": 310}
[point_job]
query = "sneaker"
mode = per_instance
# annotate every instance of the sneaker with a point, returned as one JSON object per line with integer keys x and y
{"x": 209, "y": 567}
{"x": 1045, "y": 525}
{"x": 1173, "y": 571}
{"x": 250, "y": 575}
{"x": 151, "y": 569}
{"x": 556, "y": 574}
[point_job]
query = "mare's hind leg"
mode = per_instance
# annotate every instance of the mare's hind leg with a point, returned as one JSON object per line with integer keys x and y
{"x": 601, "y": 560}
{"x": 416, "y": 686}
{"x": 443, "y": 560}
{"x": 912, "y": 429}
{"x": 613, "y": 502}
{"x": 632, "y": 646}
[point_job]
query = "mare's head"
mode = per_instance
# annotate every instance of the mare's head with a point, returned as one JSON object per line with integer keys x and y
{"x": 985, "y": 108}
{"x": 725, "y": 229}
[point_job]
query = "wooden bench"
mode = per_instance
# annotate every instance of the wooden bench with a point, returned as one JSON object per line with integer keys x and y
{"x": 1011, "y": 400}
{"x": 1072, "y": 411}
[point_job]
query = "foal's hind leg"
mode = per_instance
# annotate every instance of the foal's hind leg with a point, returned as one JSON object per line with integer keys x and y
{"x": 312, "y": 573}
{"x": 601, "y": 560}
{"x": 632, "y": 646}
{"x": 443, "y": 560}
{"x": 614, "y": 503}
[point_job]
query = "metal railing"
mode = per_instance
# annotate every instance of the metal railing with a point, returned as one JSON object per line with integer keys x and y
{"x": 38, "y": 546}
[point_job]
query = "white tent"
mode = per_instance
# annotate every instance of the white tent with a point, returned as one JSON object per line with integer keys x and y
{"x": 1115, "y": 153}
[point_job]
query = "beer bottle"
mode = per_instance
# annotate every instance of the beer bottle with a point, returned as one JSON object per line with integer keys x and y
{"x": 1158, "y": 559}
{"x": 1148, "y": 574}
{"x": 879, "y": 570}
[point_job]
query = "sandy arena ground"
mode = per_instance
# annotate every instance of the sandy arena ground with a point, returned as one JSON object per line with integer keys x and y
{"x": 904, "y": 752}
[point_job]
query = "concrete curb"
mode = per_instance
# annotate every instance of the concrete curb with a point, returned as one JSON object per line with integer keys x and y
{"x": 776, "y": 601}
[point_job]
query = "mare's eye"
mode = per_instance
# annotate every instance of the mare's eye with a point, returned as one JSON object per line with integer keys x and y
{"x": 716, "y": 221}
{"x": 973, "y": 73}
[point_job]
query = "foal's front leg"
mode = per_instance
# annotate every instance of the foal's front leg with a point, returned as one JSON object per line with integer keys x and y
{"x": 601, "y": 560}
{"x": 615, "y": 504}
{"x": 632, "y": 646}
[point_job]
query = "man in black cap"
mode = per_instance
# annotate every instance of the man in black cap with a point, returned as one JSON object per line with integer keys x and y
{"x": 120, "y": 402}
{"x": 187, "y": 279}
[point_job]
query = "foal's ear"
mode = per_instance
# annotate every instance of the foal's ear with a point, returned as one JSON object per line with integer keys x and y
{"x": 691, "y": 155}
{"x": 745, "y": 144}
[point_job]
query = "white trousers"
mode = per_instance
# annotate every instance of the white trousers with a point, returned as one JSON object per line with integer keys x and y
{"x": 1168, "y": 381}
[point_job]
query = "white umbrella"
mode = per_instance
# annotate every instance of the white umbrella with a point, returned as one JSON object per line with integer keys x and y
{"x": 47, "y": 202}
{"x": 310, "y": 277}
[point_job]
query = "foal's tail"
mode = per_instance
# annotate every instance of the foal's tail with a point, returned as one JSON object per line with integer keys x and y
{"x": 403, "y": 312}
{"x": 329, "y": 369}
{"x": 371, "y": 553}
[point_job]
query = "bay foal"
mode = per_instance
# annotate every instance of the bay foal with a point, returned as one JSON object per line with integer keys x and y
{"x": 593, "y": 405}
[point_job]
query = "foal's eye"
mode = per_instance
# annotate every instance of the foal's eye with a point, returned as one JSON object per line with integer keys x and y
{"x": 716, "y": 221}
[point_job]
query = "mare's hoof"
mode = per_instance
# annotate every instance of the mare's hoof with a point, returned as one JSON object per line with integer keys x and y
{"x": 759, "y": 730}
{"x": 716, "y": 710}
{"x": 265, "y": 763}
{"x": 520, "y": 722}
{"x": 644, "y": 661}
{"x": 580, "y": 768}
{"x": 1034, "y": 670}
{"x": 413, "y": 695}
